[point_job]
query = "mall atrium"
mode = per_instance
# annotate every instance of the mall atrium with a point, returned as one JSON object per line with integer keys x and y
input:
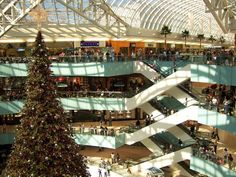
{"x": 148, "y": 85}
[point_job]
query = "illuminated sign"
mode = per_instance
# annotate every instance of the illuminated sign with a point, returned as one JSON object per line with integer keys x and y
{"x": 89, "y": 44}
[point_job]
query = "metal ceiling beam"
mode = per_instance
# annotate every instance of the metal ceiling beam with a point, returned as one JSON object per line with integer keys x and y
{"x": 117, "y": 21}
{"x": 222, "y": 12}
{"x": 95, "y": 13}
{"x": 77, "y": 11}
{"x": 103, "y": 5}
{"x": 14, "y": 12}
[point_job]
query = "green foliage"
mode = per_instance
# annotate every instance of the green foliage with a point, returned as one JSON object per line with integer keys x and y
{"x": 222, "y": 39}
{"x": 212, "y": 38}
{"x": 165, "y": 30}
{"x": 185, "y": 34}
{"x": 44, "y": 144}
{"x": 200, "y": 36}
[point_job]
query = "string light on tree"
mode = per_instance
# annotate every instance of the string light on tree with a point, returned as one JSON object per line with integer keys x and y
{"x": 44, "y": 145}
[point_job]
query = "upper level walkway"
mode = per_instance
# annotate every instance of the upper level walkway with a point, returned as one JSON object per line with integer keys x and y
{"x": 220, "y": 74}
{"x": 101, "y": 103}
{"x": 115, "y": 140}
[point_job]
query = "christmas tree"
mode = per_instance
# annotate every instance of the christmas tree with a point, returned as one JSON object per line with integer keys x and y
{"x": 44, "y": 144}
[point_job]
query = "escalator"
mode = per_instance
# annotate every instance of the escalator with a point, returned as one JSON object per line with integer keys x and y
{"x": 152, "y": 146}
{"x": 203, "y": 116}
{"x": 196, "y": 113}
{"x": 186, "y": 166}
{"x": 165, "y": 106}
{"x": 165, "y": 160}
{"x": 168, "y": 72}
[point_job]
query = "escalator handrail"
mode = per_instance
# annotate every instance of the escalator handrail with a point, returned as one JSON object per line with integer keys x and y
{"x": 164, "y": 74}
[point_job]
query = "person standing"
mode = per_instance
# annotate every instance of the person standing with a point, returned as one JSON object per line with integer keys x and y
{"x": 112, "y": 157}
{"x": 226, "y": 154}
{"x": 180, "y": 142}
{"x": 99, "y": 172}
{"x": 108, "y": 168}
{"x": 105, "y": 173}
{"x": 117, "y": 157}
{"x": 230, "y": 161}
{"x": 215, "y": 146}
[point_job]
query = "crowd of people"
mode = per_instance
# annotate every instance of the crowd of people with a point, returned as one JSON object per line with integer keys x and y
{"x": 14, "y": 59}
{"x": 96, "y": 130}
{"x": 210, "y": 153}
{"x": 117, "y": 88}
{"x": 11, "y": 95}
{"x": 220, "y": 98}
{"x": 105, "y": 166}
{"x": 209, "y": 56}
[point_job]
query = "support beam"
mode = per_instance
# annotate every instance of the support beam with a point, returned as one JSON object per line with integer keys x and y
{"x": 14, "y": 12}
{"x": 235, "y": 43}
{"x": 85, "y": 17}
{"x": 216, "y": 16}
{"x": 223, "y": 11}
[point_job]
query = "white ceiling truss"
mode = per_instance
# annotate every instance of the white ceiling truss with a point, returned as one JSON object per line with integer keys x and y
{"x": 80, "y": 19}
{"x": 177, "y": 14}
{"x": 224, "y": 11}
{"x": 98, "y": 13}
{"x": 76, "y": 14}
{"x": 13, "y": 11}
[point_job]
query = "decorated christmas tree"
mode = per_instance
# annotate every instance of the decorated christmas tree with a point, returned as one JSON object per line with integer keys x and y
{"x": 44, "y": 144}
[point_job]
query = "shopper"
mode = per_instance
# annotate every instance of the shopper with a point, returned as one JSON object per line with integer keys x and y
{"x": 99, "y": 172}
{"x": 226, "y": 154}
{"x": 230, "y": 161}
{"x": 215, "y": 146}
{"x": 112, "y": 157}
{"x": 180, "y": 142}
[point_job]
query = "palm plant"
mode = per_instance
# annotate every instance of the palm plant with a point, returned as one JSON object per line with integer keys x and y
{"x": 185, "y": 35}
{"x": 212, "y": 39}
{"x": 200, "y": 37}
{"x": 165, "y": 30}
{"x": 222, "y": 40}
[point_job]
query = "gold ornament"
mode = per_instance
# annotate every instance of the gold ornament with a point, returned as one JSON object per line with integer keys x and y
{"x": 39, "y": 15}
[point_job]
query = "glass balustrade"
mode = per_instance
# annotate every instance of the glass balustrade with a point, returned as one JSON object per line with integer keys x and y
{"x": 197, "y": 59}
{"x": 208, "y": 154}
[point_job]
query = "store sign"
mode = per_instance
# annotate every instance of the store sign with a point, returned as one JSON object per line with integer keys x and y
{"x": 152, "y": 44}
{"x": 89, "y": 44}
{"x": 132, "y": 44}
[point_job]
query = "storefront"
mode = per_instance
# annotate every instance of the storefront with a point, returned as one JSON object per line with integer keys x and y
{"x": 150, "y": 50}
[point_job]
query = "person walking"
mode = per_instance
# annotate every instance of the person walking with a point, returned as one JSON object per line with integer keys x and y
{"x": 108, "y": 168}
{"x": 99, "y": 172}
{"x": 105, "y": 173}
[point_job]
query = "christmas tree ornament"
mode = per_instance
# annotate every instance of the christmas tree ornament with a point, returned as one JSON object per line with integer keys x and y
{"x": 44, "y": 145}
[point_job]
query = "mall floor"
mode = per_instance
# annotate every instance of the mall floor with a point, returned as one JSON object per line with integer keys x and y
{"x": 136, "y": 152}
